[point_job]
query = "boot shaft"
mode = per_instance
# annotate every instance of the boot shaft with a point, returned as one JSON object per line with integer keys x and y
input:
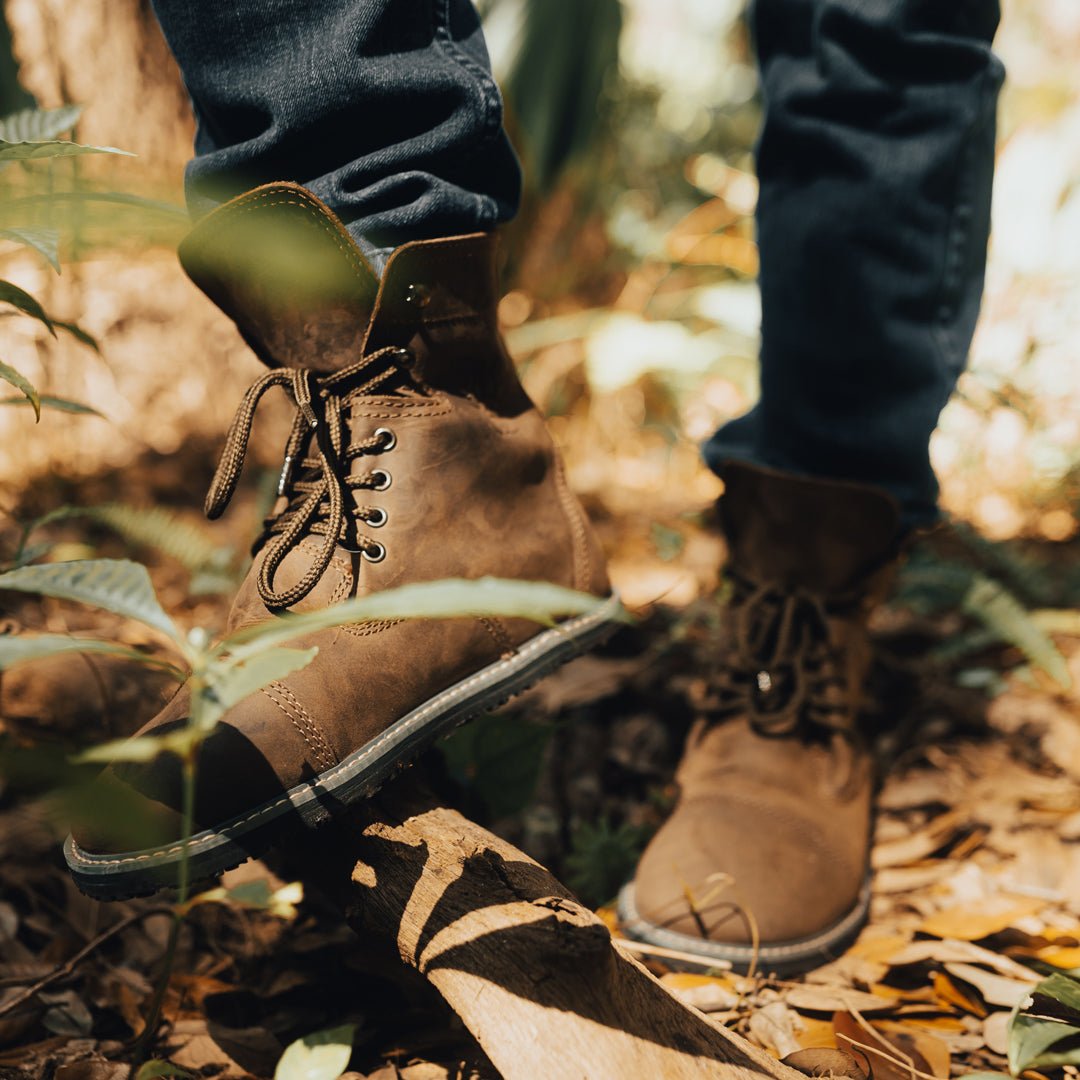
{"x": 283, "y": 267}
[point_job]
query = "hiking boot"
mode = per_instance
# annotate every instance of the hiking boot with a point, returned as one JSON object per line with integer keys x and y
{"x": 765, "y": 857}
{"x": 415, "y": 456}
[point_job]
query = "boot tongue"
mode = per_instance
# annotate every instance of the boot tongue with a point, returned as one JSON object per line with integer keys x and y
{"x": 823, "y": 535}
{"x": 282, "y": 266}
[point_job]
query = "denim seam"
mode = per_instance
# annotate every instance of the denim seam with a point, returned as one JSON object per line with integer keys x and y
{"x": 957, "y": 246}
{"x": 487, "y": 211}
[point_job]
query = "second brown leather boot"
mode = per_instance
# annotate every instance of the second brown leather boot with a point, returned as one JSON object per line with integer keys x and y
{"x": 766, "y": 854}
{"x": 415, "y": 456}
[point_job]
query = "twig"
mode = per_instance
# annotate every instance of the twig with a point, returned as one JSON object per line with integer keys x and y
{"x": 69, "y": 966}
{"x": 643, "y": 948}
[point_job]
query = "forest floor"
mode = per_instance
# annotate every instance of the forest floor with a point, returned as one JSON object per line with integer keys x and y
{"x": 977, "y": 851}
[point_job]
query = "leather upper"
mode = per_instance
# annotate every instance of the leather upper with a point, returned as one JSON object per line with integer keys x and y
{"x": 772, "y": 823}
{"x": 475, "y": 488}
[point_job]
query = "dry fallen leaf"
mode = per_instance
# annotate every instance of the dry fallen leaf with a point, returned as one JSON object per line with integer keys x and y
{"x": 814, "y": 998}
{"x": 949, "y": 993}
{"x": 914, "y": 847}
{"x": 915, "y": 1041}
{"x": 950, "y": 950}
{"x": 995, "y": 989}
{"x": 977, "y": 921}
{"x": 996, "y": 1032}
{"x": 776, "y": 1027}
{"x": 826, "y": 1062}
{"x": 96, "y": 1068}
{"x": 816, "y": 1032}
{"x": 888, "y": 1060}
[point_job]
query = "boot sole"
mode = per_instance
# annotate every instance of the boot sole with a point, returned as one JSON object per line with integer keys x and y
{"x": 358, "y": 776}
{"x": 781, "y": 958}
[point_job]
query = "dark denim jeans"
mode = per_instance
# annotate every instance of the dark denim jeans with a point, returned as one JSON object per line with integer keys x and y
{"x": 386, "y": 109}
{"x": 875, "y": 163}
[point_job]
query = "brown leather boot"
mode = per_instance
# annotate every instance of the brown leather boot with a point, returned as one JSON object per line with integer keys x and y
{"x": 416, "y": 455}
{"x": 769, "y": 839}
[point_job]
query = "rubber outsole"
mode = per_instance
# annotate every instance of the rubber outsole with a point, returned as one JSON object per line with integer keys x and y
{"x": 779, "y": 958}
{"x": 211, "y": 852}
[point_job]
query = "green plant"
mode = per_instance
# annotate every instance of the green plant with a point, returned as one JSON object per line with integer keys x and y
{"x": 1044, "y": 1029}
{"x": 212, "y": 568}
{"x": 221, "y": 675}
{"x": 602, "y": 857}
{"x": 32, "y": 135}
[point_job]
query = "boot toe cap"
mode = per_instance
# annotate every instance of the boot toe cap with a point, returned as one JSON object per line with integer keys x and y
{"x": 246, "y": 761}
{"x": 720, "y": 866}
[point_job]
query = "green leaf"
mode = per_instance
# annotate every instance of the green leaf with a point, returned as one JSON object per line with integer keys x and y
{"x": 161, "y": 529}
{"x": 19, "y": 298}
{"x": 34, "y": 125}
{"x": 30, "y": 553}
{"x": 117, "y": 585}
{"x": 1002, "y": 613}
{"x": 79, "y": 334}
{"x": 256, "y": 896}
{"x": 18, "y": 650}
{"x": 228, "y": 683}
{"x": 452, "y": 598}
{"x": 60, "y": 148}
{"x": 45, "y": 242}
{"x": 47, "y": 401}
{"x": 1032, "y": 1036}
{"x": 157, "y": 1067}
{"x": 1061, "y": 988}
{"x": 20, "y": 382}
{"x": 602, "y": 857}
{"x": 567, "y": 51}
{"x": 499, "y": 757}
{"x": 139, "y": 750}
{"x": 1030, "y": 1040}
{"x": 323, "y": 1055}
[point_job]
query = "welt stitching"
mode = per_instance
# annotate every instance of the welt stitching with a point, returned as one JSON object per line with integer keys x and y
{"x": 462, "y": 688}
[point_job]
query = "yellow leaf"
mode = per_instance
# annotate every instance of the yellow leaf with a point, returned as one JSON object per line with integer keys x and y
{"x": 973, "y": 922}
{"x": 1061, "y": 956}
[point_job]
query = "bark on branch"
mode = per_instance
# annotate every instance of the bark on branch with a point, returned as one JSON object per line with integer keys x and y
{"x": 535, "y": 976}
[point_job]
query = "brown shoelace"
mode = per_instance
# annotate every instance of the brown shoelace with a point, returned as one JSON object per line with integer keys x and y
{"x": 319, "y": 498}
{"x": 782, "y": 670}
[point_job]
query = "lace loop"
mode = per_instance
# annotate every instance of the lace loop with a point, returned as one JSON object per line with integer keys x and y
{"x": 782, "y": 671}
{"x": 320, "y": 495}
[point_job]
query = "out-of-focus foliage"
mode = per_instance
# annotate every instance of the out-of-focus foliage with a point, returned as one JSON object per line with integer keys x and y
{"x": 31, "y": 135}
{"x": 564, "y": 54}
{"x": 12, "y": 96}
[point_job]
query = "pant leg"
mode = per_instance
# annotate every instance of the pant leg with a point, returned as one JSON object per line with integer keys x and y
{"x": 875, "y": 164}
{"x": 386, "y": 109}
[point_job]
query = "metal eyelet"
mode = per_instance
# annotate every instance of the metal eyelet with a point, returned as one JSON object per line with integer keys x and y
{"x": 381, "y": 480}
{"x": 374, "y": 553}
{"x": 388, "y": 437}
{"x": 404, "y": 356}
{"x": 376, "y": 517}
{"x": 418, "y": 295}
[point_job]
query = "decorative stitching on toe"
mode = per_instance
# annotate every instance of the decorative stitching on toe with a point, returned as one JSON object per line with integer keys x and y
{"x": 303, "y": 721}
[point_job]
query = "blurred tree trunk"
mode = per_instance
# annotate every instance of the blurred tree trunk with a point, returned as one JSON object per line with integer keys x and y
{"x": 109, "y": 56}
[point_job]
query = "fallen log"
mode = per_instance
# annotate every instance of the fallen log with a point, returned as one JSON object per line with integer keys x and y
{"x": 536, "y": 977}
